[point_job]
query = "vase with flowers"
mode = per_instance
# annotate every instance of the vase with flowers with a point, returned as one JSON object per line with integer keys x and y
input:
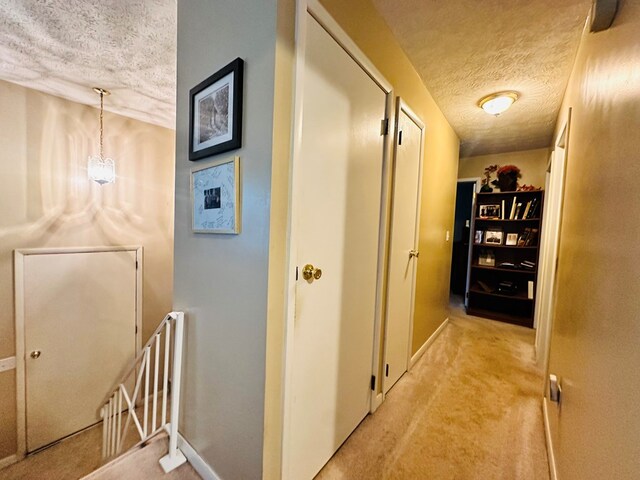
{"x": 507, "y": 180}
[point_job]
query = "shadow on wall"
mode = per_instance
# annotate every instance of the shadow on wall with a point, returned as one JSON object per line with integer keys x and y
{"x": 47, "y": 200}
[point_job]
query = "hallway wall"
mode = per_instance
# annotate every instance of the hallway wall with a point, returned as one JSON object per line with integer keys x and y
{"x": 232, "y": 286}
{"x": 532, "y": 164}
{"x": 596, "y": 332}
{"x": 46, "y": 200}
{"x": 368, "y": 30}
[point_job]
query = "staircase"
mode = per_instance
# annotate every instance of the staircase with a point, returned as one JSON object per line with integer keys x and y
{"x": 138, "y": 405}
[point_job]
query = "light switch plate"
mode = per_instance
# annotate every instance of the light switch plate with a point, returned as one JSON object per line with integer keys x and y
{"x": 447, "y": 236}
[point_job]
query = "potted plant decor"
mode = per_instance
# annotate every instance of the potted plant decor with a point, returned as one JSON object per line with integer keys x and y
{"x": 507, "y": 180}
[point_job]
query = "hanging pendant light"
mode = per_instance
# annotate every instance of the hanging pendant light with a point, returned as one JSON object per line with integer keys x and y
{"x": 101, "y": 170}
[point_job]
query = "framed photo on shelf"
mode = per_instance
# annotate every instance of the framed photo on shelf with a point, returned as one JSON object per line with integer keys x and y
{"x": 487, "y": 258}
{"x": 478, "y": 236}
{"x": 489, "y": 211}
{"x": 493, "y": 237}
{"x": 512, "y": 239}
{"x": 215, "y": 110}
{"x": 215, "y": 197}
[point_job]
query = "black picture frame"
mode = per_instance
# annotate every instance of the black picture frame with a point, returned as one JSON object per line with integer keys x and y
{"x": 213, "y": 130}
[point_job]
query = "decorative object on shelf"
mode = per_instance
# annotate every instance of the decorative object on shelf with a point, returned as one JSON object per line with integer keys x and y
{"x": 215, "y": 197}
{"x": 478, "y": 236}
{"x": 528, "y": 188}
{"x": 215, "y": 110}
{"x": 487, "y": 178}
{"x": 100, "y": 169}
{"x": 512, "y": 239}
{"x": 493, "y": 237}
{"x": 507, "y": 180}
{"x": 489, "y": 211}
{"x": 487, "y": 258}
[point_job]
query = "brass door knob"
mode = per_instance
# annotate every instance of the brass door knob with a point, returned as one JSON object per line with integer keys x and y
{"x": 309, "y": 272}
{"x": 414, "y": 253}
{"x": 36, "y": 354}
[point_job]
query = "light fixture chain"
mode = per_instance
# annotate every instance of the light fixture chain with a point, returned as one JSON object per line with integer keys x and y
{"x": 101, "y": 112}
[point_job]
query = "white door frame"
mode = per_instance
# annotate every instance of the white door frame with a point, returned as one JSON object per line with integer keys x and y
{"x": 477, "y": 181}
{"x": 320, "y": 14}
{"x": 401, "y": 106}
{"x": 545, "y": 312}
{"x": 21, "y": 393}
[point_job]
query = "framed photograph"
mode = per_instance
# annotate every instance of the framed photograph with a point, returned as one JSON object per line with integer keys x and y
{"x": 512, "y": 239}
{"x": 489, "y": 211}
{"x": 215, "y": 197}
{"x": 215, "y": 110}
{"x": 487, "y": 258}
{"x": 478, "y": 236}
{"x": 493, "y": 237}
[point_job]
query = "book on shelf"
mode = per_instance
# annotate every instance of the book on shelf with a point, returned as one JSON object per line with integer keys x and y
{"x": 532, "y": 210}
{"x": 526, "y": 209}
{"x": 530, "y": 290}
{"x": 506, "y": 265}
{"x": 502, "y": 211}
{"x": 527, "y": 265}
{"x": 518, "y": 209}
{"x": 513, "y": 209}
{"x": 522, "y": 241}
{"x": 532, "y": 238}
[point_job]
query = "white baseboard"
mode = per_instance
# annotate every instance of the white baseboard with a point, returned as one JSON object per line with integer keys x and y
{"x": 196, "y": 461}
{"x": 553, "y": 472}
{"x": 10, "y": 460}
{"x": 427, "y": 344}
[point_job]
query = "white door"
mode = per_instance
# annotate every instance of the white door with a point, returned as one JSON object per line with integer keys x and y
{"x": 554, "y": 198}
{"x": 338, "y": 203}
{"x": 403, "y": 246}
{"x": 79, "y": 336}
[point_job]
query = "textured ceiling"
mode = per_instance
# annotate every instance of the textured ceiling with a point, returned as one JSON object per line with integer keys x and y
{"x": 466, "y": 49}
{"x": 65, "y": 47}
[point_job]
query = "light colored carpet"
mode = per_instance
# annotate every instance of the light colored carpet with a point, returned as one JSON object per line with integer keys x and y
{"x": 81, "y": 454}
{"x": 141, "y": 463}
{"x": 469, "y": 409}
{"x": 69, "y": 459}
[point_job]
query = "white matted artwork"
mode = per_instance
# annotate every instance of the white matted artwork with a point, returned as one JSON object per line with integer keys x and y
{"x": 215, "y": 197}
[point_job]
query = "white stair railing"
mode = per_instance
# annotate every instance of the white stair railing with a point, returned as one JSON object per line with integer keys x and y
{"x": 142, "y": 393}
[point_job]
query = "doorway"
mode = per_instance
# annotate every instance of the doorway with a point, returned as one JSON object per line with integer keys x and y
{"x": 403, "y": 246}
{"x": 462, "y": 228}
{"x": 77, "y": 329}
{"x": 338, "y": 189}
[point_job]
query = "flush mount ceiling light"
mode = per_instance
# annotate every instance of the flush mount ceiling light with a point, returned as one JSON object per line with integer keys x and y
{"x": 101, "y": 170}
{"x": 497, "y": 103}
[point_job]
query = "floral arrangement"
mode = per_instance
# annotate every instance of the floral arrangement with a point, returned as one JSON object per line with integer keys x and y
{"x": 507, "y": 178}
{"x": 527, "y": 188}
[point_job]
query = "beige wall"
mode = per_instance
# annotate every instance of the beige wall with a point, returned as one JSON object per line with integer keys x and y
{"x": 596, "y": 334}
{"x": 532, "y": 164}
{"x": 369, "y": 31}
{"x": 46, "y": 200}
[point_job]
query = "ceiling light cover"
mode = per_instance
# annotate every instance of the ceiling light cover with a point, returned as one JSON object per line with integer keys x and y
{"x": 497, "y": 103}
{"x": 101, "y": 170}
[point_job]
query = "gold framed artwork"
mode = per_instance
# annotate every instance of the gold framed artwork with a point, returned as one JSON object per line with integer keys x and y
{"x": 215, "y": 197}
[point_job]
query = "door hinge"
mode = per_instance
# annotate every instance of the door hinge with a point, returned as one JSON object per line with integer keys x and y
{"x": 386, "y": 373}
{"x": 136, "y": 264}
{"x": 373, "y": 383}
{"x": 400, "y": 137}
{"x": 384, "y": 126}
{"x": 296, "y": 274}
{"x": 136, "y": 328}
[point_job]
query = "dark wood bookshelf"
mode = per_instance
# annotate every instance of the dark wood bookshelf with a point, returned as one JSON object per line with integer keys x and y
{"x": 514, "y": 308}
